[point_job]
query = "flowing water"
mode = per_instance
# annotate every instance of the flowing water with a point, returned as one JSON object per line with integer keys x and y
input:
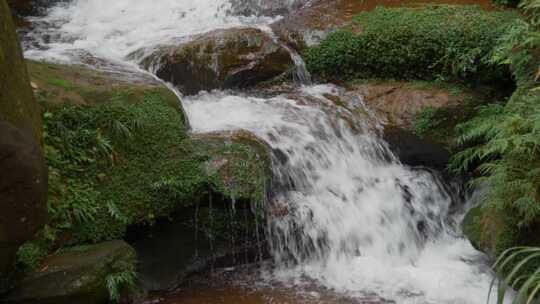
{"x": 358, "y": 224}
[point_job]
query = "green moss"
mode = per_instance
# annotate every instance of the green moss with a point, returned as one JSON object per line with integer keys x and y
{"x": 18, "y": 105}
{"x": 119, "y": 154}
{"x": 112, "y": 155}
{"x": 472, "y": 226}
{"x": 490, "y": 230}
{"x": 243, "y": 175}
{"x": 65, "y": 84}
{"x": 445, "y": 42}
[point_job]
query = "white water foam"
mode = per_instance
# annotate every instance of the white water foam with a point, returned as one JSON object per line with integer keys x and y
{"x": 114, "y": 29}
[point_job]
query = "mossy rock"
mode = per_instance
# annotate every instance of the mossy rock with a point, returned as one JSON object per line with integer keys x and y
{"x": 231, "y": 58}
{"x": 494, "y": 231}
{"x": 23, "y": 185}
{"x": 238, "y": 163}
{"x": 120, "y": 155}
{"x": 18, "y": 105}
{"x": 78, "y": 275}
{"x": 488, "y": 230}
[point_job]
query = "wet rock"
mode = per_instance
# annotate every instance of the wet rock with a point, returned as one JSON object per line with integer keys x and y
{"x": 78, "y": 276}
{"x": 399, "y": 103}
{"x": 309, "y": 25}
{"x": 24, "y": 8}
{"x": 23, "y": 177}
{"x": 414, "y": 151}
{"x": 78, "y": 84}
{"x": 210, "y": 233}
{"x": 232, "y": 58}
{"x": 265, "y": 8}
{"x": 238, "y": 160}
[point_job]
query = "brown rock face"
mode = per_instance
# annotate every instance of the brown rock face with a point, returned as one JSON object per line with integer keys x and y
{"x": 23, "y": 189}
{"x": 400, "y": 103}
{"x": 23, "y": 173}
{"x": 232, "y": 58}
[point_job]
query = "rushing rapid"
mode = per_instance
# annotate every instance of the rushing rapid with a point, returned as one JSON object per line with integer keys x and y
{"x": 357, "y": 221}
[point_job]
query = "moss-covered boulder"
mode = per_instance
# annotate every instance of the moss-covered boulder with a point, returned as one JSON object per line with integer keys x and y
{"x": 121, "y": 159}
{"x": 238, "y": 163}
{"x": 493, "y": 231}
{"x": 400, "y": 103}
{"x": 113, "y": 145}
{"x": 23, "y": 182}
{"x": 232, "y": 58}
{"x": 80, "y": 275}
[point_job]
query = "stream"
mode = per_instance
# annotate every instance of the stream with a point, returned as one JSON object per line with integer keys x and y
{"x": 360, "y": 227}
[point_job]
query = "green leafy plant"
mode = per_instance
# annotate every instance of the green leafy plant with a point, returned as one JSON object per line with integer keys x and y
{"x": 425, "y": 120}
{"x": 118, "y": 281}
{"x": 519, "y": 269}
{"x": 502, "y": 142}
{"x": 31, "y": 254}
{"x": 501, "y": 146}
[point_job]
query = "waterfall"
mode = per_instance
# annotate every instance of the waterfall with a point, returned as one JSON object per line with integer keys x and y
{"x": 357, "y": 221}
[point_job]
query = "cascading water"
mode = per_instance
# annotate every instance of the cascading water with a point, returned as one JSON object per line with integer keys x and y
{"x": 357, "y": 220}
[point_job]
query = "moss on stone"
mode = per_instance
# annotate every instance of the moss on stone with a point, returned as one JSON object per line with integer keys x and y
{"x": 18, "y": 105}
{"x": 238, "y": 169}
{"x": 119, "y": 155}
{"x": 229, "y": 58}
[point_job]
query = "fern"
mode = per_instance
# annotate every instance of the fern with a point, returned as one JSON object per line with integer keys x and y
{"x": 119, "y": 281}
{"x": 514, "y": 268}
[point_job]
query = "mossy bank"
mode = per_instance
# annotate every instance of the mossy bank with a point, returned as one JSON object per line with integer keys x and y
{"x": 119, "y": 154}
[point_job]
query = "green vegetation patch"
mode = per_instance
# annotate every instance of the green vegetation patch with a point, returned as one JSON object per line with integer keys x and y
{"x": 120, "y": 155}
{"x": 414, "y": 43}
{"x": 238, "y": 170}
{"x": 105, "y": 159}
{"x": 500, "y": 145}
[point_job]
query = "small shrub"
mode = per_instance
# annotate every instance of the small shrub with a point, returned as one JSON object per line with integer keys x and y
{"x": 104, "y": 162}
{"x": 117, "y": 282}
{"x": 30, "y": 255}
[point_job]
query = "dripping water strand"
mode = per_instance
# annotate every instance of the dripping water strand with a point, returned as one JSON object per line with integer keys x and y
{"x": 300, "y": 73}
